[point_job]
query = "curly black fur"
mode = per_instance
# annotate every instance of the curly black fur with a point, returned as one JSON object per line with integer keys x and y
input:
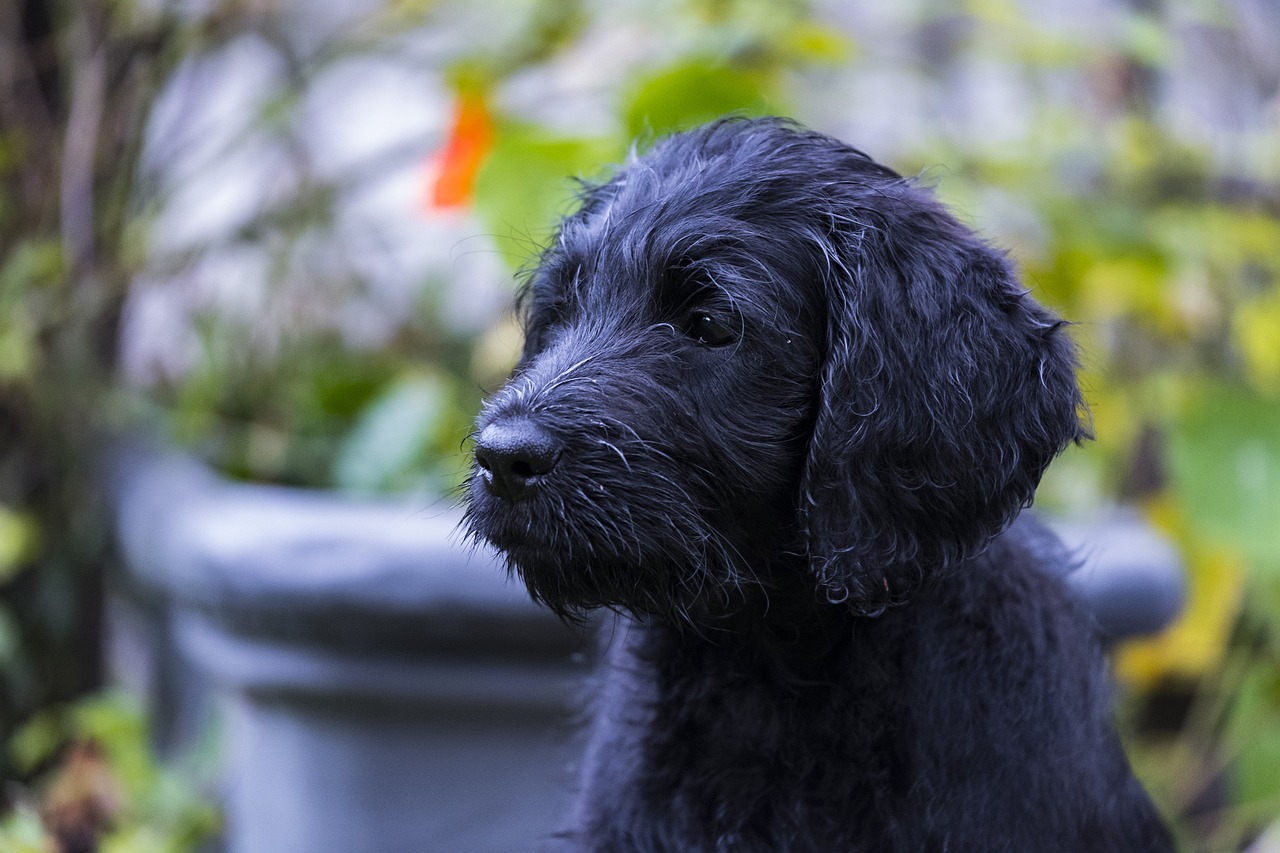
{"x": 778, "y": 406}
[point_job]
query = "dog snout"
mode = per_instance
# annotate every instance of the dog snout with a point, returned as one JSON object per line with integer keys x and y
{"x": 513, "y": 454}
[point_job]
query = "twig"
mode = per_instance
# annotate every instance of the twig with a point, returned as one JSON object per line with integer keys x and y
{"x": 79, "y": 151}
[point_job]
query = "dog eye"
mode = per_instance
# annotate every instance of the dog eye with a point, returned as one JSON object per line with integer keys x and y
{"x": 708, "y": 331}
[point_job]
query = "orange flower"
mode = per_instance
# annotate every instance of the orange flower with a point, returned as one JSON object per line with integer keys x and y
{"x": 451, "y": 172}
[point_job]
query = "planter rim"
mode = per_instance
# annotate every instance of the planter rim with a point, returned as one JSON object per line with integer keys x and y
{"x": 316, "y": 566}
{"x": 269, "y": 669}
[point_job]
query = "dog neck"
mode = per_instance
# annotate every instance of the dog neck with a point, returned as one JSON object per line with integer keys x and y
{"x": 785, "y": 631}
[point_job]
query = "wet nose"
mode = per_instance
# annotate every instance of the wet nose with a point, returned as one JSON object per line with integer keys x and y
{"x": 512, "y": 454}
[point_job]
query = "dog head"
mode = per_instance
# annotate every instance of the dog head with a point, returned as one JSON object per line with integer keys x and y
{"x": 754, "y": 354}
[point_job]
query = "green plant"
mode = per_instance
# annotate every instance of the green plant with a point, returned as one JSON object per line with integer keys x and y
{"x": 77, "y": 79}
{"x": 101, "y": 785}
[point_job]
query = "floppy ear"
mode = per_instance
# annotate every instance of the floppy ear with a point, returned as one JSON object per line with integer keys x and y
{"x": 945, "y": 393}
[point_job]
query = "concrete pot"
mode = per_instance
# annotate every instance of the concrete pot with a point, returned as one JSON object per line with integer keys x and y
{"x": 384, "y": 687}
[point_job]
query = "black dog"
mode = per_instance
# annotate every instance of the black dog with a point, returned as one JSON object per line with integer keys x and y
{"x": 781, "y": 408}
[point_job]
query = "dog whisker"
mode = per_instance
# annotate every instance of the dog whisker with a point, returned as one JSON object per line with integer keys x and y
{"x": 622, "y": 456}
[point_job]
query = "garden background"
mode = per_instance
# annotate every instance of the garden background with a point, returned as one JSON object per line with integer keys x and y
{"x": 285, "y": 235}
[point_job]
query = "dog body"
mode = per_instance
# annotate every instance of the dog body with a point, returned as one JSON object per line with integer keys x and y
{"x": 781, "y": 409}
{"x": 976, "y": 719}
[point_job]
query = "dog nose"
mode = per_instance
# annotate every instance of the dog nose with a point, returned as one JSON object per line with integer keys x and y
{"x": 513, "y": 454}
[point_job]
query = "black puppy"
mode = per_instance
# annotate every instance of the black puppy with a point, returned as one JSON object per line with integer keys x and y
{"x": 779, "y": 407}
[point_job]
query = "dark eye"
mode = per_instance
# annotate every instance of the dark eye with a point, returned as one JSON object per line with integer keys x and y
{"x": 708, "y": 331}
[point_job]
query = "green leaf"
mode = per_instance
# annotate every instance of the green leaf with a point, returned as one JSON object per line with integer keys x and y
{"x": 1256, "y": 705}
{"x": 17, "y": 347}
{"x": 137, "y": 839}
{"x": 1147, "y": 39}
{"x": 19, "y": 535}
{"x": 1256, "y": 325}
{"x": 810, "y": 41}
{"x": 31, "y": 265}
{"x": 697, "y": 91}
{"x": 22, "y": 831}
{"x": 1224, "y": 455}
{"x": 526, "y": 184}
{"x": 1257, "y": 770}
{"x": 38, "y": 739}
{"x": 116, "y": 722}
{"x": 391, "y": 435}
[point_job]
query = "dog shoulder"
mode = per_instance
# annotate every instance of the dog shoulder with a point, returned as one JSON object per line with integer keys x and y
{"x": 621, "y": 700}
{"x": 1009, "y": 682}
{"x": 1007, "y": 621}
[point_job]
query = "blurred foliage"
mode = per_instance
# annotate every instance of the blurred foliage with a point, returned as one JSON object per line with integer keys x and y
{"x": 99, "y": 787}
{"x": 73, "y": 79}
{"x": 1165, "y": 253}
{"x": 320, "y": 413}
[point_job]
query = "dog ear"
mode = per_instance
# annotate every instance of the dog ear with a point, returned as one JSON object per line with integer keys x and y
{"x": 946, "y": 391}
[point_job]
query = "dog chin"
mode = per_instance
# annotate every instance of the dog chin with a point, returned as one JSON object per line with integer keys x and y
{"x": 564, "y": 594}
{"x": 572, "y": 588}
{"x": 503, "y": 525}
{"x": 571, "y": 574}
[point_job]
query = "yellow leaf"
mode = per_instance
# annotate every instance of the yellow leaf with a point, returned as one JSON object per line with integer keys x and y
{"x": 17, "y": 347}
{"x": 1257, "y": 330}
{"x": 1130, "y": 286}
{"x": 19, "y": 535}
{"x": 1194, "y": 644}
{"x": 813, "y": 42}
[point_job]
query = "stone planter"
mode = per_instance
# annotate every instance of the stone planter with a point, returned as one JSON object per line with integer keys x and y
{"x": 382, "y": 687}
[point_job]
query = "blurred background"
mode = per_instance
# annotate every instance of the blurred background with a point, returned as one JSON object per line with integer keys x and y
{"x": 283, "y": 236}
